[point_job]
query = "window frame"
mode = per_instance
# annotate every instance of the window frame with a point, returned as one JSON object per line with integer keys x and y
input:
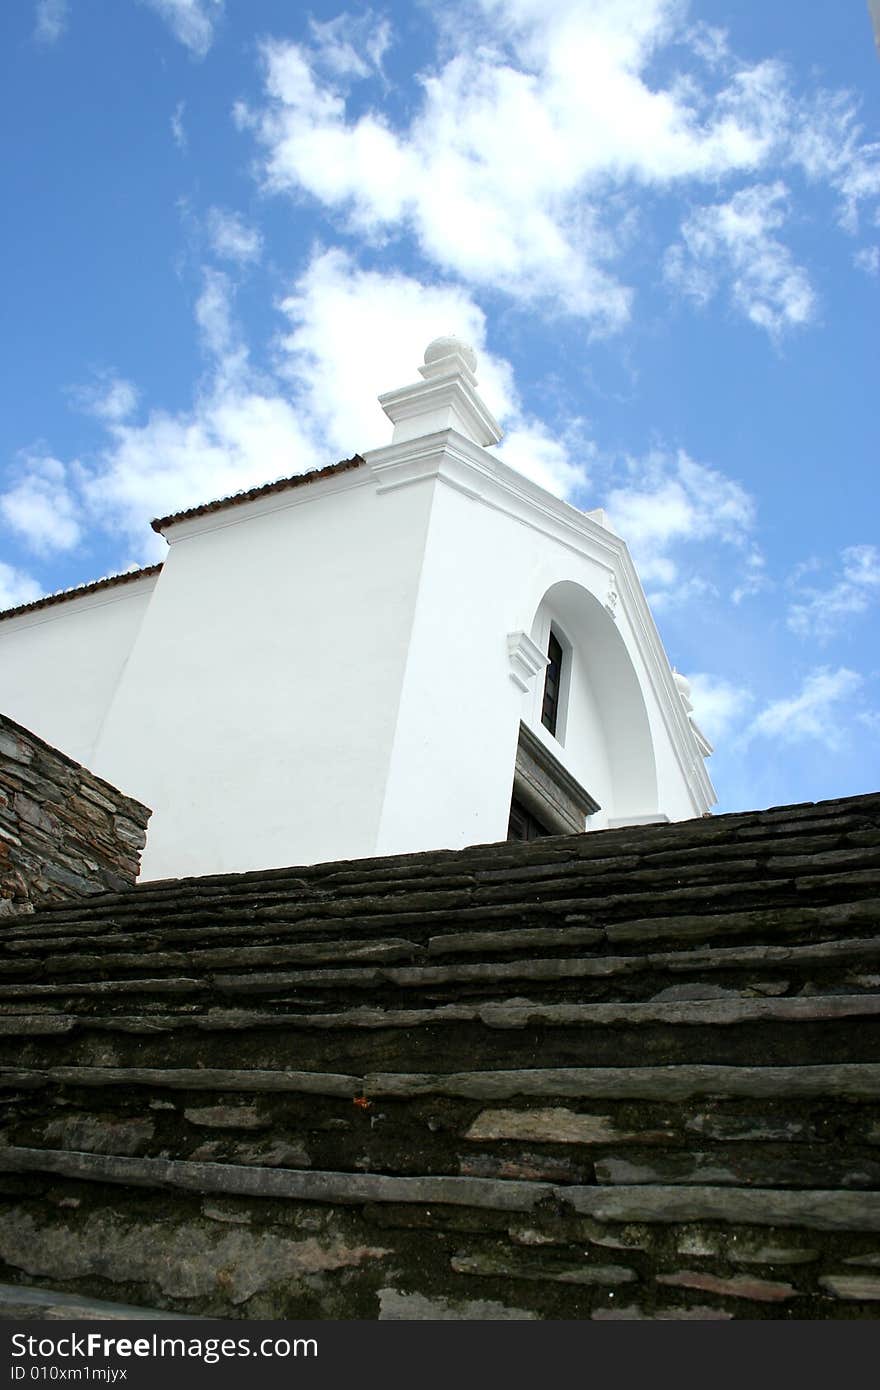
{"x": 552, "y": 630}
{"x": 552, "y": 696}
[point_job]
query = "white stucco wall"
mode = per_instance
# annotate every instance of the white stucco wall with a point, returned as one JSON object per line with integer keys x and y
{"x": 60, "y": 665}
{"x": 264, "y": 684}
{"x": 487, "y": 574}
{"x": 451, "y": 770}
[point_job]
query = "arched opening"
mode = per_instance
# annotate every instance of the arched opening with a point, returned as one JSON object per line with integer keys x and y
{"x": 603, "y": 733}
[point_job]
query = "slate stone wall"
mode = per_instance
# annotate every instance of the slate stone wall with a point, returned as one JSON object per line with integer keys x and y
{"x": 64, "y": 833}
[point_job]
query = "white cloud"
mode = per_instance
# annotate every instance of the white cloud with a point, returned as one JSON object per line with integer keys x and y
{"x": 41, "y": 507}
{"x": 546, "y": 459}
{"x": 231, "y": 439}
{"x": 671, "y": 501}
{"x": 734, "y": 241}
{"x": 538, "y": 129}
{"x": 51, "y": 20}
{"x": 868, "y": 260}
{"x": 239, "y": 432}
{"x": 752, "y": 578}
{"x": 828, "y": 145}
{"x": 709, "y": 43}
{"x": 869, "y": 719}
{"x": 231, "y": 238}
{"x": 178, "y": 130}
{"x": 351, "y": 45}
{"x": 356, "y": 333}
{"x": 351, "y": 334}
{"x": 17, "y": 587}
{"x": 220, "y": 332}
{"x": 719, "y": 704}
{"x": 821, "y": 613}
{"x": 683, "y": 591}
{"x": 110, "y": 397}
{"x": 814, "y": 713}
{"x": 190, "y": 21}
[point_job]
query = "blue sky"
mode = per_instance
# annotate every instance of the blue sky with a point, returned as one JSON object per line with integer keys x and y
{"x": 231, "y": 223}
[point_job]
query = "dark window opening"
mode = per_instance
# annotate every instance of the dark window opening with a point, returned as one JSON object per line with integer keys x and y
{"x": 552, "y": 684}
{"x": 523, "y": 825}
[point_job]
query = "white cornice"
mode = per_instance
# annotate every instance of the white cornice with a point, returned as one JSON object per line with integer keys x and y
{"x": 705, "y": 747}
{"x": 456, "y": 461}
{"x": 449, "y": 401}
{"x": 463, "y": 465}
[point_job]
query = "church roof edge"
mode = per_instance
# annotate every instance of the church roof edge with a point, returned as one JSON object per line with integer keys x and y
{"x": 159, "y": 525}
{"x": 80, "y": 590}
{"x": 264, "y": 490}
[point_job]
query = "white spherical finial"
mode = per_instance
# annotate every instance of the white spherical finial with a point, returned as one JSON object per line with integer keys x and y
{"x": 444, "y": 347}
{"x": 684, "y": 688}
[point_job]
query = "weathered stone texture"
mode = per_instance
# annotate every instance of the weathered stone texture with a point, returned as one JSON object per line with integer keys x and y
{"x": 31, "y": 1303}
{"x": 558, "y": 1126}
{"x": 183, "y": 1261}
{"x": 64, "y": 833}
{"x": 94, "y": 1135}
{"x": 226, "y": 1117}
{"x": 414, "y": 1307}
{"x": 739, "y": 1286}
{"x": 860, "y": 1287}
{"x": 632, "y": 1074}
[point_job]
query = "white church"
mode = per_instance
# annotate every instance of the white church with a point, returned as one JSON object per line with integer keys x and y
{"x": 413, "y": 650}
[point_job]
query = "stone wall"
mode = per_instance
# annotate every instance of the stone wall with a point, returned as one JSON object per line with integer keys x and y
{"x": 63, "y": 831}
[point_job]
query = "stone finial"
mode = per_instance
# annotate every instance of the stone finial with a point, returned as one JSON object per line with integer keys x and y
{"x": 684, "y": 689}
{"x": 683, "y": 686}
{"x": 449, "y": 346}
{"x": 445, "y": 399}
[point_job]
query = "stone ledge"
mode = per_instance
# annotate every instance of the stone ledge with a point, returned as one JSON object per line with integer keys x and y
{"x": 20, "y": 1301}
{"x": 846, "y": 1080}
{"x": 812, "y": 1209}
{"x": 509, "y": 1015}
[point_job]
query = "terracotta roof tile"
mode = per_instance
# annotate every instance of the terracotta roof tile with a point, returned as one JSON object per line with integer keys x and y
{"x": 110, "y": 582}
{"x": 282, "y": 485}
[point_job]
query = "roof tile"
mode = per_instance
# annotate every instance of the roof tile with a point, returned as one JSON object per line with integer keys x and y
{"x": 316, "y": 475}
{"x": 64, "y": 594}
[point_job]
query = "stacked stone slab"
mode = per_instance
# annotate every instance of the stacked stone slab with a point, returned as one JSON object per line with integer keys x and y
{"x": 627, "y": 1074}
{"x": 64, "y": 832}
